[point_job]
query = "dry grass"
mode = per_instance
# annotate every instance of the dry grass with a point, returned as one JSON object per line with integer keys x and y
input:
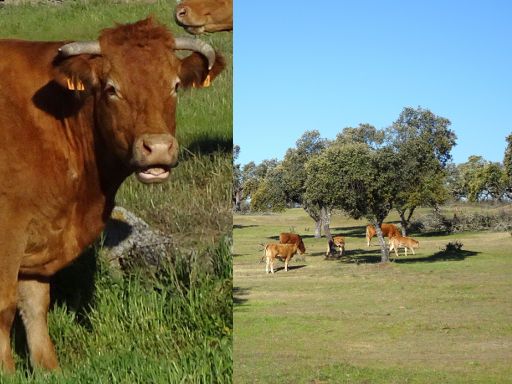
{"x": 433, "y": 317}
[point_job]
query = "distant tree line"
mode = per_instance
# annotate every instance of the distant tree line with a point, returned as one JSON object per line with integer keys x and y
{"x": 367, "y": 172}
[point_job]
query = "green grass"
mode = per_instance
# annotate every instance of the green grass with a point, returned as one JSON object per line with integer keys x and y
{"x": 428, "y": 318}
{"x": 173, "y": 325}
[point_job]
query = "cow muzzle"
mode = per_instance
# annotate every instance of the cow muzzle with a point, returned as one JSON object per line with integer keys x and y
{"x": 153, "y": 157}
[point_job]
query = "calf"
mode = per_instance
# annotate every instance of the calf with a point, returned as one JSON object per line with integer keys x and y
{"x": 282, "y": 251}
{"x": 403, "y": 242}
{"x": 388, "y": 230}
{"x": 338, "y": 242}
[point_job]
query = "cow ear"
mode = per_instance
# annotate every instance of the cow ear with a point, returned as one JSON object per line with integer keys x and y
{"x": 77, "y": 73}
{"x": 194, "y": 70}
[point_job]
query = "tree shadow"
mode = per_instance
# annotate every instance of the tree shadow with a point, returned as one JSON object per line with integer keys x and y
{"x": 439, "y": 256}
{"x": 357, "y": 231}
{"x": 241, "y": 226}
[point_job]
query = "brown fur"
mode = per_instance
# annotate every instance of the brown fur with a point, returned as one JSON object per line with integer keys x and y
{"x": 388, "y": 230}
{"x": 281, "y": 251}
{"x": 338, "y": 242}
{"x": 292, "y": 238}
{"x": 199, "y": 16}
{"x": 64, "y": 154}
{"x": 396, "y": 242}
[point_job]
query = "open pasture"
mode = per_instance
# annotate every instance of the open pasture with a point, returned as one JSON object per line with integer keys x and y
{"x": 177, "y": 326}
{"x": 433, "y": 317}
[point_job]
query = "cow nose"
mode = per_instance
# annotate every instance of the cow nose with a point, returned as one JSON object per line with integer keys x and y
{"x": 156, "y": 149}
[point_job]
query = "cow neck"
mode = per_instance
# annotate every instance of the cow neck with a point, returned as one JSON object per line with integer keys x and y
{"x": 103, "y": 172}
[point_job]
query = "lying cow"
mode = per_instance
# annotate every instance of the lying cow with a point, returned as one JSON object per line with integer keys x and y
{"x": 388, "y": 230}
{"x": 284, "y": 252}
{"x": 199, "y": 16}
{"x": 292, "y": 238}
{"x": 76, "y": 120}
{"x": 338, "y": 242}
{"x": 403, "y": 242}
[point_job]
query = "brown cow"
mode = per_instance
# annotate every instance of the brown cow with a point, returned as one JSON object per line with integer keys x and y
{"x": 76, "y": 120}
{"x": 338, "y": 242}
{"x": 199, "y": 16}
{"x": 398, "y": 241}
{"x": 281, "y": 251}
{"x": 388, "y": 230}
{"x": 292, "y": 238}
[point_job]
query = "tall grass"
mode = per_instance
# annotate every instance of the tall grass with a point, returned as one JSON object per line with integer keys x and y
{"x": 175, "y": 324}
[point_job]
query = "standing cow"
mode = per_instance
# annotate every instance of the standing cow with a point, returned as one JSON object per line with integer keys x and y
{"x": 76, "y": 120}
{"x": 278, "y": 251}
{"x": 292, "y": 238}
{"x": 388, "y": 230}
{"x": 199, "y": 16}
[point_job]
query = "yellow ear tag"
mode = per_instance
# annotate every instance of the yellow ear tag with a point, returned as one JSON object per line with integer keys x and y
{"x": 207, "y": 81}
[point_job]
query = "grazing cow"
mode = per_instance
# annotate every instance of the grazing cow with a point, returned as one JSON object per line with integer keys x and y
{"x": 338, "y": 242}
{"x": 281, "y": 251}
{"x": 388, "y": 230}
{"x": 292, "y": 238}
{"x": 76, "y": 120}
{"x": 398, "y": 241}
{"x": 199, "y": 16}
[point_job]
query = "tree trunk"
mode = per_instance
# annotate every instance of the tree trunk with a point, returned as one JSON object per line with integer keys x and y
{"x": 238, "y": 201}
{"x": 383, "y": 247}
{"x": 325, "y": 214}
{"x": 314, "y": 213}
{"x": 405, "y": 219}
{"x": 403, "y": 222}
{"x": 318, "y": 229}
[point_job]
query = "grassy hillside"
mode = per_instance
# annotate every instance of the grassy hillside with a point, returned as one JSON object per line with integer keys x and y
{"x": 433, "y": 317}
{"x": 176, "y": 324}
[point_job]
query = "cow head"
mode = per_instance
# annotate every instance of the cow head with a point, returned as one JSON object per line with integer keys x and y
{"x": 133, "y": 74}
{"x": 199, "y": 16}
{"x": 302, "y": 248}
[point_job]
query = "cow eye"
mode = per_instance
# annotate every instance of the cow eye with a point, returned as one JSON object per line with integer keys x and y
{"x": 174, "y": 91}
{"x": 111, "y": 90}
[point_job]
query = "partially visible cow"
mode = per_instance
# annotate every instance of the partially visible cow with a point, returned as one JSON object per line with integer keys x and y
{"x": 284, "y": 252}
{"x": 292, "y": 238}
{"x": 199, "y": 16}
{"x": 388, "y": 230}
{"x": 75, "y": 121}
{"x": 338, "y": 242}
{"x": 398, "y": 241}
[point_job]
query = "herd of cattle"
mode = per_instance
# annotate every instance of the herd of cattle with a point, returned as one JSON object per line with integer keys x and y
{"x": 77, "y": 118}
{"x": 290, "y": 244}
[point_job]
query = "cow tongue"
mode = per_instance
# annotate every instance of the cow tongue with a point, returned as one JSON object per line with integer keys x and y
{"x": 153, "y": 174}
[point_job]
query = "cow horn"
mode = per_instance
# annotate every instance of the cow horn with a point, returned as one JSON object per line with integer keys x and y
{"x": 80, "y": 47}
{"x": 197, "y": 45}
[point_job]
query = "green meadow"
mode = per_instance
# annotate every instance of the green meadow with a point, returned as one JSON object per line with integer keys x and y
{"x": 433, "y": 317}
{"x": 169, "y": 326}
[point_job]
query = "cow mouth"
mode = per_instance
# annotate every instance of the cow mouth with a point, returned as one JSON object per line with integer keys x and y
{"x": 193, "y": 29}
{"x": 153, "y": 174}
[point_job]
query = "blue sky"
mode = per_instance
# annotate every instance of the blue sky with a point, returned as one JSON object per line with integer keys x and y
{"x": 303, "y": 65}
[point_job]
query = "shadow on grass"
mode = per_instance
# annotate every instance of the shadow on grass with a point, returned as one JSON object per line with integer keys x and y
{"x": 439, "y": 256}
{"x": 238, "y": 294}
{"x": 372, "y": 256}
{"x": 73, "y": 287}
{"x": 240, "y": 226}
{"x": 290, "y": 268}
{"x": 208, "y": 146}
